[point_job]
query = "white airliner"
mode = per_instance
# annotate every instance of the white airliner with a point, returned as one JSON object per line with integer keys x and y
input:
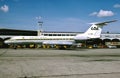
{"x": 93, "y": 32}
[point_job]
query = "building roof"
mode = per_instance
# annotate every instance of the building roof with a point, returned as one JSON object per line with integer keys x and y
{"x": 17, "y": 32}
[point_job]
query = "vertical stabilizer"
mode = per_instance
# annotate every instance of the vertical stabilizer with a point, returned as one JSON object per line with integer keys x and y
{"x": 94, "y": 31}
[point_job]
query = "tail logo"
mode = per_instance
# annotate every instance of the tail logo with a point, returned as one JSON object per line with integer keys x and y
{"x": 94, "y": 28}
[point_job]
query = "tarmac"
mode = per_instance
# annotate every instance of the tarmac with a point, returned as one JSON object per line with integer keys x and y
{"x": 52, "y": 63}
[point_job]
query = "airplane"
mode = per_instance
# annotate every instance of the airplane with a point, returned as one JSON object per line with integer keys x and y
{"x": 61, "y": 42}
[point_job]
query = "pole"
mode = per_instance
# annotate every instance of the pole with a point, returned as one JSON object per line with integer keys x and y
{"x": 40, "y": 26}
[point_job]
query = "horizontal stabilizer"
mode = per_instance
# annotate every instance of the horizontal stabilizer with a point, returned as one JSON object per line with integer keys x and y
{"x": 103, "y": 23}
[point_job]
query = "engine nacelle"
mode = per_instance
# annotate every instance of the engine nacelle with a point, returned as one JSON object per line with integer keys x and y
{"x": 81, "y": 37}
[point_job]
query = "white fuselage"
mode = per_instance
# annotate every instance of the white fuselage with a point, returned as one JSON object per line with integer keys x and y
{"x": 42, "y": 39}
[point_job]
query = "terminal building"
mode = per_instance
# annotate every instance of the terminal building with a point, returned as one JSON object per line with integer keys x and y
{"x": 105, "y": 39}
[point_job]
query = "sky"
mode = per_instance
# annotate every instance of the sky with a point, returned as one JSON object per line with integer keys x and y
{"x": 59, "y": 15}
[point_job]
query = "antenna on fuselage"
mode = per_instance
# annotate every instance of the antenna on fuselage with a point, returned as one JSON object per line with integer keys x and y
{"x": 39, "y": 33}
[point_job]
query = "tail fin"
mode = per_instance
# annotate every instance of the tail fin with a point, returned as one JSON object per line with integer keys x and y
{"x": 95, "y": 30}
